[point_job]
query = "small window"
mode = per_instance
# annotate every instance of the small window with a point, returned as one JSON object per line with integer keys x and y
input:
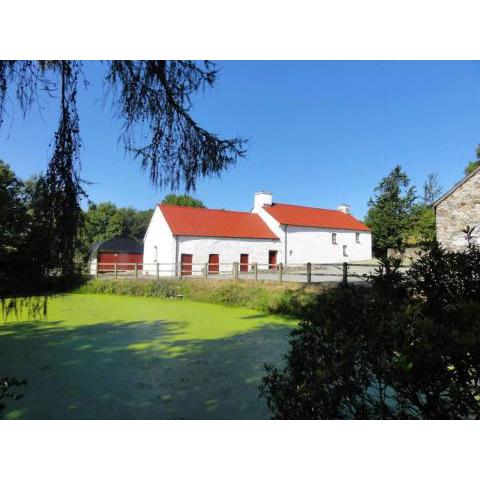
{"x": 357, "y": 237}
{"x": 334, "y": 238}
{"x": 345, "y": 254}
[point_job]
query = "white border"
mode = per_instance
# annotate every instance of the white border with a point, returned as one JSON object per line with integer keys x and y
{"x": 247, "y": 29}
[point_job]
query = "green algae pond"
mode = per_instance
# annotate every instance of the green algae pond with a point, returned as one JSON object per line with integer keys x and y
{"x": 117, "y": 357}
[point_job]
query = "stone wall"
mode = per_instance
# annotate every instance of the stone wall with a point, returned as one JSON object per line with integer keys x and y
{"x": 410, "y": 253}
{"x": 457, "y": 211}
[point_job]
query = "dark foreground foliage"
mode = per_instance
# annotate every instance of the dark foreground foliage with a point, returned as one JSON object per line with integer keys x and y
{"x": 396, "y": 349}
{"x": 8, "y": 390}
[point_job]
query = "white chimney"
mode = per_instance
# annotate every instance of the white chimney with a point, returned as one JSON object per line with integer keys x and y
{"x": 262, "y": 199}
{"x": 343, "y": 207}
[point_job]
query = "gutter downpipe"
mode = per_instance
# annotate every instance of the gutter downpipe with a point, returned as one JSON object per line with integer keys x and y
{"x": 285, "y": 255}
{"x": 176, "y": 255}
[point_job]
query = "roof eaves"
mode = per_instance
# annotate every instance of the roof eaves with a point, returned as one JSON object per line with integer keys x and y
{"x": 456, "y": 186}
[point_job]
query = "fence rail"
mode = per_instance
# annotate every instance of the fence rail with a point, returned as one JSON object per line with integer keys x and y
{"x": 303, "y": 273}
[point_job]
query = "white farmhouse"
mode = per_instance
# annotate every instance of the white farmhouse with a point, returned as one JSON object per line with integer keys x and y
{"x": 189, "y": 238}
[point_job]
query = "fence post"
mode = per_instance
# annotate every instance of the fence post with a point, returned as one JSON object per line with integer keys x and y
{"x": 345, "y": 274}
{"x": 255, "y": 271}
{"x": 280, "y": 271}
{"x": 309, "y": 272}
{"x": 235, "y": 270}
{"x": 115, "y": 270}
{"x": 158, "y": 271}
{"x": 136, "y": 270}
{"x": 205, "y": 271}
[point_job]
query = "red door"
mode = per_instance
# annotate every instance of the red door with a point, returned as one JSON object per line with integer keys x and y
{"x": 272, "y": 259}
{"x": 124, "y": 261}
{"x": 213, "y": 263}
{"x": 244, "y": 262}
{"x": 186, "y": 263}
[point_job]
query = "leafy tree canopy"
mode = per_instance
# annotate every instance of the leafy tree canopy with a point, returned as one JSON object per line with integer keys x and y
{"x": 397, "y": 217}
{"x": 182, "y": 200}
{"x": 431, "y": 189}
{"x": 474, "y": 163}
{"x": 105, "y": 220}
{"x": 390, "y": 212}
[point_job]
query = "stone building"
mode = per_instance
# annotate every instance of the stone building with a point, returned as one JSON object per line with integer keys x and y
{"x": 457, "y": 209}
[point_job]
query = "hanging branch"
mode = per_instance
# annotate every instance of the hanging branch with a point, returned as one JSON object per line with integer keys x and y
{"x": 153, "y": 98}
{"x": 156, "y": 96}
{"x": 62, "y": 183}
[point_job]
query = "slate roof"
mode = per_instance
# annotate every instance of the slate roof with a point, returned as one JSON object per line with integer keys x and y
{"x": 118, "y": 245}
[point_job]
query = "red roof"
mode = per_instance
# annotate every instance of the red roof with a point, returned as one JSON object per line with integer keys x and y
{"x": 206, "y": 222}
{"x": 314, "y": 217}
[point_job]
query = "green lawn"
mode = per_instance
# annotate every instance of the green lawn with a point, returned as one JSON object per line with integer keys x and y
{"x": 106, "y": 356}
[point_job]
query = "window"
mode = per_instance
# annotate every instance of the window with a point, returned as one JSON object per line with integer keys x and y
{"x": 345, "y": 254}
{"x": 357, "y": 237}
{"x": 334, "y": 238}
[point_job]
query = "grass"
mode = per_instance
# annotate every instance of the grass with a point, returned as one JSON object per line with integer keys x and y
{"x": 112, "y": 356}
{"x": 270, "y": 297}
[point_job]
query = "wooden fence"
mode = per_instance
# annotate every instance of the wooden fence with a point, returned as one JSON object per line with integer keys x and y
{"x": 304, "y": 273}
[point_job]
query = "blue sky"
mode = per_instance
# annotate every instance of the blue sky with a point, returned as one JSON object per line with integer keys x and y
{"x": 320, "y": 133}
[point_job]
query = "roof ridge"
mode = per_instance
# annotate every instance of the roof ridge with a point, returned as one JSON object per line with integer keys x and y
{"x": 311, "y": 208}
{"x": 457, "y": 185}
{"x": 205, "y": 209}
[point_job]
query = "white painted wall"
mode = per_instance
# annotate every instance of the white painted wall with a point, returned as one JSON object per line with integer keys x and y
{"x": 158, "y": 235}
{"x": 229, "y": 250}
{"x": 92, "y": 266}
{"x": 314, "y": 245}
{"x": 306, "y": 244}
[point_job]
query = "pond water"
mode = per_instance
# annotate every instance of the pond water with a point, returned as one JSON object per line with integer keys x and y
{"x": 118, "y": 357}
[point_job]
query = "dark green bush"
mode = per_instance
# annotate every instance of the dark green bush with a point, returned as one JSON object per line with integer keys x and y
{"x": 401, "y": 349}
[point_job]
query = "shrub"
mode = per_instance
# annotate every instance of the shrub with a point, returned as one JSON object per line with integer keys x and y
{"x": 401, "y": 348}
{"x": 7, "y": 390}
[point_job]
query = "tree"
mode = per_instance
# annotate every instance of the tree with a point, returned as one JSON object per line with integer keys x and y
{"x": 474, "y": 164}
{"x": 26, "y": 256}
{"x": 431, "y": 189}
{"x": 423, "y": 226}
{"x": 135, "y": 222}
{"x": 13, "y": 212}
{"x": 390, "y": 213}
{"x": 153, "y": 95}
{"x": 105, "y": 220}
{"x": 182, "y": 200}
{"x": 406, "y": 347}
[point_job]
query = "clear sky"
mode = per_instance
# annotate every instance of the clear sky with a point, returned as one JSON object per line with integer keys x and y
{"x": 320, "y": 133}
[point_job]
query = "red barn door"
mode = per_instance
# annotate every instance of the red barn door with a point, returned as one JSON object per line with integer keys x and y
{"x": 186, "y": 263}
{"x": 244, "y": 262}
{"x": 272, "y": 259}
{"x": 124, "y": 261}
{"x": 213, "y": 263}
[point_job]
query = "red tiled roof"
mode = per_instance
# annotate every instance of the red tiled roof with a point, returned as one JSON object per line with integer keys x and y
{"x": 314, "y": 217}
{"x": 206, "y": 222}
